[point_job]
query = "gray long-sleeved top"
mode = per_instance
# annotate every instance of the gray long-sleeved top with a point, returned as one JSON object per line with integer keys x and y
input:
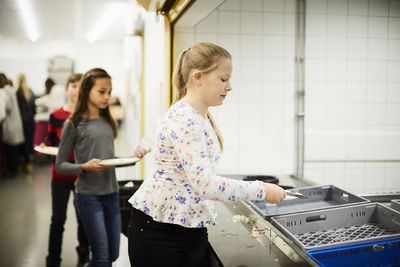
{"x": 91, "y": 138}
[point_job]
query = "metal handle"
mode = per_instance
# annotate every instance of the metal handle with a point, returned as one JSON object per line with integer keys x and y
{"x": 316, "y": 218}
{"x": 296, "y": 194}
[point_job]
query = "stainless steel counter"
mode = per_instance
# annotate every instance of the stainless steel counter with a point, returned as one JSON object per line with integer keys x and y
{"x": 256, "y": 242}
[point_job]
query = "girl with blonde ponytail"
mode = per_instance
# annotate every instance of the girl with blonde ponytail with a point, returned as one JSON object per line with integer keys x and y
{"x": 171, "y": 206}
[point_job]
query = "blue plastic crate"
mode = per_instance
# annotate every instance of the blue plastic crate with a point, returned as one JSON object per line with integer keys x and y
{"x": 378, "y": 253}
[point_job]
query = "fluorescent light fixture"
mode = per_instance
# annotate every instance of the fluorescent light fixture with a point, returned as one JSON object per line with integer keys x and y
{"x": 28, "y": 20}
{"x": 112, "y": 11}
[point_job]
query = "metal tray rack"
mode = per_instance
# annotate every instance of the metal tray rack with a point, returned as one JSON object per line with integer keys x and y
{"x": 320, "y": 197}
{"x": 340, "y": 226}
{"x": 395, "y": 204}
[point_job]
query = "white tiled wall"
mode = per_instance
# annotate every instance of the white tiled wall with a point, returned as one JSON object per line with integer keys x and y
{"x": 257, "y": 118}
{"x": 353, "y": 94}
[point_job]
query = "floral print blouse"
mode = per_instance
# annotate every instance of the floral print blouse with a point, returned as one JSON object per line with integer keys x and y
{"x": 184, "y": 177}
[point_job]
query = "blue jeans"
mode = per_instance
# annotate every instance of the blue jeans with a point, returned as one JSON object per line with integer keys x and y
{"x": 101, "y": 219}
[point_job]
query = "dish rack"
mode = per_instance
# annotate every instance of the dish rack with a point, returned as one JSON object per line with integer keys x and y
{"x": 346, "y": 235}
{"x": 395, "y": 204}
{"x": 340, "y": 226}
{"x": 320, "y": 197}
{"x": 378, "y": 253}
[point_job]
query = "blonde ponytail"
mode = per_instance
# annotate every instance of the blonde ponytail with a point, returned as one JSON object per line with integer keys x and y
{"x": 21, "y": 83}
{"x": 203, "y": 56}
{"x": 217, "y": 132}
{"x": 178, "y": 79}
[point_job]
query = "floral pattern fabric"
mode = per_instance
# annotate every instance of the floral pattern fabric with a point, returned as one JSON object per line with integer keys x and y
{"x": 186, "y": 155}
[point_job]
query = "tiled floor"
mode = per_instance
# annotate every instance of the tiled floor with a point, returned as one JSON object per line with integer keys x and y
{"x": 25, "y": 210}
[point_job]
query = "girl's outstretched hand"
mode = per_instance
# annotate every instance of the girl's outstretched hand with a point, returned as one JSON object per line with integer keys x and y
{"x": 93, "y": 166}
{"x": 140, "y": 152}
{"x": 275, "y": 194}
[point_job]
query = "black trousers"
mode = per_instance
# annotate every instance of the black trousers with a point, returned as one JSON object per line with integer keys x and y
{"x": 12, "y": 157}
{"x": 152, "y": 243}
{"x": 60, "y": 192}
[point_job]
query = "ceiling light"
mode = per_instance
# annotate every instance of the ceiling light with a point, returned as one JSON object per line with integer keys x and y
{"x": 111, "y": 12}
{"x": 28, "y": 20}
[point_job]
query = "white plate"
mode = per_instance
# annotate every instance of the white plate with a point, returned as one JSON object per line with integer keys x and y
{"x": 48, "y": 150}
{"x": 119, "y": 161}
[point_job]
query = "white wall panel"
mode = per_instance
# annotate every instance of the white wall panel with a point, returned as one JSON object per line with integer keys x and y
{"x": 374, "y": 177}
{"x": 253, "y": 44}
{"x": 253, "y": 5}
{"x": 250, "y": 91}
{"x": 251, "y": 22}
{"x": 316, "y": 25}
{"x": 357, "y": 70}
{"x": 392, "y": 178}
{"x": 336, "y": 47}
{"x": 316, "y": 6}
{"x": 201, "y": 37}
{"x": 378, "y": 8}
{"x": 356, "y": 117}
{"x": 394, "y": 52}
{"x": 336, "y": 69}
{"x": 337, "y": 6}
{"x": 337, "y": 25}
{"x": 358, "y": 26}
{"x": 357, "y": 48}
{"x": 273, "y": 5}
{"x": 393, "y": 114}
{"x": 272, "y": 114}
{"x": 273, "y": 23}
{"x": 380, "y": 146}
{"x": 393, "y": 93}
{"x": 249, "y": 160}
{"x": 353, "y": 174}
{"x": 378, "y": 27}
{"x": 334, "y": 173}
{"x": 394, "y": 70}
{"x": 250, "y": 114}
{"x": 394, "y": 27}
{"x": 316, "y": 47}
{"x": 378, "y": 49}
{"x": 208, "y": 25}
{"x": 272, "y": 92}
{"x": 231, "y": 42}
{"x": 234, "y": 22}
{"x": 394, "y": 8}
{"x": 358, "y": 7}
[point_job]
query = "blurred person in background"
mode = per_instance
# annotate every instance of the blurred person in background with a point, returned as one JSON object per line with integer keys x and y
{"x": 63, "y": 185}
{"x": 12, "y": 129}
{"x": 27, "y": 108}
{"x": 3, "y": 167}
{"x": 43, "y": 110}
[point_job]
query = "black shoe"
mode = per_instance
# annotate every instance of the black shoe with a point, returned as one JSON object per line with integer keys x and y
{"x": 83, "y": 256}
{"x": 51, "y": 262}
{"x": 9, "y": 175}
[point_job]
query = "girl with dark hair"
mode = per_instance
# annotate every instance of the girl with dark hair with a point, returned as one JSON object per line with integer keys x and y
{"x": 63, "y": 185}
{"x": 90, "y": 132}
{"x": 12, "y": 129}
